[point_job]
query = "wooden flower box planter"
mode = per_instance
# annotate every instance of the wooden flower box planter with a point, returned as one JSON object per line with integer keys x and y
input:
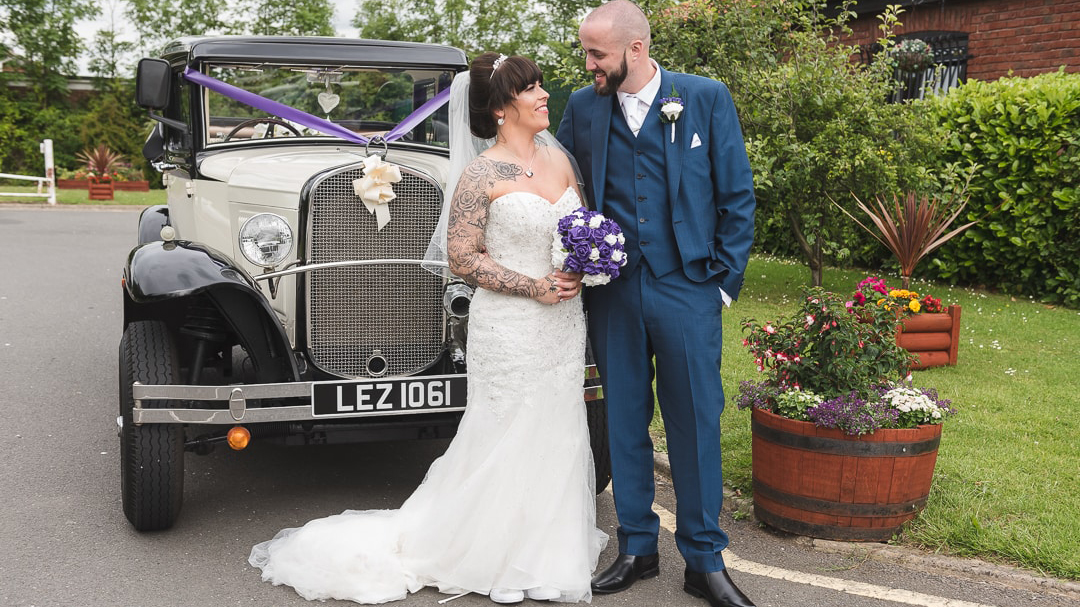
{"x": 100, "y": 190}
{"x": 84, "y": 184}
{"x": 820, "y": 482}
{"x": 132, "y": 186}
{"x": 934, "y": 337}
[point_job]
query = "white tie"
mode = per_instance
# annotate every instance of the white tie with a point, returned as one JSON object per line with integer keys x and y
{"x": 632, "y": 110}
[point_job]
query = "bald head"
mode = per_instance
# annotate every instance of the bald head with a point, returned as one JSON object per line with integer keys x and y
{"x": 623, "y": 19}
{"x": 615, "y": 38}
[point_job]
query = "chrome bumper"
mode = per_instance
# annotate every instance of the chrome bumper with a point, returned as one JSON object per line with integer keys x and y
{"x": 238, "y": 396}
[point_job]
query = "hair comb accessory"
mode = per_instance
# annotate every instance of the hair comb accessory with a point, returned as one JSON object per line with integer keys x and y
{"x": 495, "y": 64}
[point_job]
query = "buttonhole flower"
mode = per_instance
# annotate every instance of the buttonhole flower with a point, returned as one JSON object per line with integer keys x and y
{"x": 670, "y": 110}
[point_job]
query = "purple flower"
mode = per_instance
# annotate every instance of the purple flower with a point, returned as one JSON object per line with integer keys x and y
{"x": 588, "y": 242}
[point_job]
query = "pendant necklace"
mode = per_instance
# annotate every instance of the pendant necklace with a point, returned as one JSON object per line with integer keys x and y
{"x": 528, "y": 166}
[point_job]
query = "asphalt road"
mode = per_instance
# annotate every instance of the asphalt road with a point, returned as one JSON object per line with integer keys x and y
{"x": 64, "y": 539}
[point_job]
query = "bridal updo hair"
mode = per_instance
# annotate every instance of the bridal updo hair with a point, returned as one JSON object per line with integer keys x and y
{"x": 490, "y": 91}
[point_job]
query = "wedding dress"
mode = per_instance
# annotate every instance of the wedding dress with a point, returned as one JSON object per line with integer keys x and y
{"x": 511, "y": 504}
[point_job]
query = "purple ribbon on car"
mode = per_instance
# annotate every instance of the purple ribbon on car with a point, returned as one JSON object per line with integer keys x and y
{"x": 311, "y": 121}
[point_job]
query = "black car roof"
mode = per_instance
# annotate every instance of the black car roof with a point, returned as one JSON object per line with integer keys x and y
{"x": 316, "y": 50}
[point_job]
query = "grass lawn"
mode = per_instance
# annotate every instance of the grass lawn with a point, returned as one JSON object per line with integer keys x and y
{"x": 1006, "y": 487}
{"x": 81, "y": 197}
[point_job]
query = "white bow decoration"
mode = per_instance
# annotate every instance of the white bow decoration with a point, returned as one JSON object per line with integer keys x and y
{"x": 374, "y": 187}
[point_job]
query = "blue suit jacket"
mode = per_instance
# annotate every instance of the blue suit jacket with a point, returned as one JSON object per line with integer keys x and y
{"x": 710, "y": 186}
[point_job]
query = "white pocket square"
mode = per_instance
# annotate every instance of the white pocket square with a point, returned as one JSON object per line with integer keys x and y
{"x": 695, "y": 142}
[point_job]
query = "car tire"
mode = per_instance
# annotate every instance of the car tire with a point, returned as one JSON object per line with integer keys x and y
{"x": 596, "y": 416}
{"x": 151, "y": 455}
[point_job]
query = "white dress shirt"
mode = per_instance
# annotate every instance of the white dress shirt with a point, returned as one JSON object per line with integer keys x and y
{"x": 635, "y": 106}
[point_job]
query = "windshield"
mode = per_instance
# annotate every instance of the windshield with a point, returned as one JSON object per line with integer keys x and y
{"x": 368, "y": 102}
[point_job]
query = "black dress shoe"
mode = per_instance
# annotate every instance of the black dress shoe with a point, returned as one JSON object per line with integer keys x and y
{"x": 715, "y": 587}
{"x": 626, "y": 570}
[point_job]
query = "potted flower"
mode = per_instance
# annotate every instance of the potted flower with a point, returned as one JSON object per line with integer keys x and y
{"x": 912, "y": 55}
{"x": 101, "y": 164}
{"x": 928, "y": 329}
{"x": 844, "y": 445}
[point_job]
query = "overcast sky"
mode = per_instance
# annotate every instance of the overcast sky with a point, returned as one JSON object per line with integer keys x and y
{"x": 343, "y": 13}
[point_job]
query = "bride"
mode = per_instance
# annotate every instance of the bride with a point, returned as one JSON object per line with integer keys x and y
{"x": 509, "y": 510}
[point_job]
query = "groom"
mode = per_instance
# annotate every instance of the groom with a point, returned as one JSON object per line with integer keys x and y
{"x": 683, "y": 192}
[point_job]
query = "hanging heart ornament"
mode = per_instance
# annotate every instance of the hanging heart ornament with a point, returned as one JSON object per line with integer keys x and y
{"x": 329, "y": 101}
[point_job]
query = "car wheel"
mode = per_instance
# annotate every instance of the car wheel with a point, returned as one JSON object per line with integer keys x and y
{"x": 596, "y": 414}
{"x": 151, "y": 455}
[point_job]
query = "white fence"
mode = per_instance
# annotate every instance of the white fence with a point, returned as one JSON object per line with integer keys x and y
{"x": 48, "y": 181}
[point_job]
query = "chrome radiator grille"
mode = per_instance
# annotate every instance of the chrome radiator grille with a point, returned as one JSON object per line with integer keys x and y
{"x": 388, "y": 310}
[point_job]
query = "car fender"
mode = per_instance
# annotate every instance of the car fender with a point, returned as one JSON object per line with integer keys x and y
{"x": 161, "y": 278}
{"x": 151, "y": 220}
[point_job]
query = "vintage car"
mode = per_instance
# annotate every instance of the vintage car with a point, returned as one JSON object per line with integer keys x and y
{"x": 271, "y": 299}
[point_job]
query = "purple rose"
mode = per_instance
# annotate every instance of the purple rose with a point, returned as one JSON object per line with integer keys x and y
{"x": 578, "y": 234}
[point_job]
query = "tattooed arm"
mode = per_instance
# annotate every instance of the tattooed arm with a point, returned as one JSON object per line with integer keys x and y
{"x": 465, "y": 236}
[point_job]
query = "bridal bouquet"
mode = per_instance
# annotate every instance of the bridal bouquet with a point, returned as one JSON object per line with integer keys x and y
{"x": 586, "y": 241}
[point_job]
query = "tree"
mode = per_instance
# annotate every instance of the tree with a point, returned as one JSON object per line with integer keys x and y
{"x": 158, "y": 22}
{"x": 541, "y": 30}
{"x": 275, "y": 18}
{"x": 110, "y": 57}
{"x": 45, "y": 43}
{"x": 816, "y": 123}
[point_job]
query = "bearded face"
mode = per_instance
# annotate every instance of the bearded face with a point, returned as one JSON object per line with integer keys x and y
{"x": 608, "y": 81}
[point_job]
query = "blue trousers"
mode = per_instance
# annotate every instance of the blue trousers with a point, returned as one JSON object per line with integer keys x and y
{"x": 634, "y": 320}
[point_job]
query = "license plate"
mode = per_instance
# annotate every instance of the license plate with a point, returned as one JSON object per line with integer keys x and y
{"x": 388, "y": 396}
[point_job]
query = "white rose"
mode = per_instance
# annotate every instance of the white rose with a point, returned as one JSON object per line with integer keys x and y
{"x": 578, "y": 222}
{"x": 622, "y": 239}
{"x": 610, "y": 239}
{"x": 594, "y": 254}
{"x": 617, "y": 255}
{"x": 596, "y": 221}
{"x": 671, "y": 110}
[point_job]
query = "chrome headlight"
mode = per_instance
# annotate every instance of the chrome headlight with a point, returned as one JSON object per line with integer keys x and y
{"x": 266, "y": 239}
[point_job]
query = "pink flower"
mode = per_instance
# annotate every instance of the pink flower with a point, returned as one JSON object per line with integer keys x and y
{"x": 809, "y": 320}
{"x": 797, "y": 359}
{"x": 769, "y": 329}
{"x": 860, "y": 299}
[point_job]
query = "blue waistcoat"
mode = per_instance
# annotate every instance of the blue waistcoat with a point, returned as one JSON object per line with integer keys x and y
{"x": 636, "y": 193}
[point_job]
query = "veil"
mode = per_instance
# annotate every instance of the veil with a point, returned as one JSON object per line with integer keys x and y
{"x": 464, "y": 147}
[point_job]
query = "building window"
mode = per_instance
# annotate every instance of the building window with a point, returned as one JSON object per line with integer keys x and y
{"x": 949, "y": 70}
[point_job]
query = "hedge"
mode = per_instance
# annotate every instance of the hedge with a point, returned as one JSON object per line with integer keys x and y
{"x": 1025, "y": 134}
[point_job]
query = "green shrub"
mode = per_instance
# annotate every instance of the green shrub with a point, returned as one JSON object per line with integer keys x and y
{"x": 816, "y": 123}
{"x": 1025, "y": 133}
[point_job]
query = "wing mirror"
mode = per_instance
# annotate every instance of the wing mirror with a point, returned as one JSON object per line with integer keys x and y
{"x": 152, "y": 83}
{"x": 153, "y": 86}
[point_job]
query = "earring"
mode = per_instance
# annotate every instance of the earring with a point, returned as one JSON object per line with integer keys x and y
{"x": 501, "y": 121}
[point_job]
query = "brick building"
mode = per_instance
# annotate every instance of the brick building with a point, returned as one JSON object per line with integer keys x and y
{"x": 982, "y": 39}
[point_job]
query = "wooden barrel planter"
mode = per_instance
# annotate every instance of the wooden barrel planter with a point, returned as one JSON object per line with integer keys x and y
{"x": 934, "y": 337}
{"x": 822, "y": 483}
